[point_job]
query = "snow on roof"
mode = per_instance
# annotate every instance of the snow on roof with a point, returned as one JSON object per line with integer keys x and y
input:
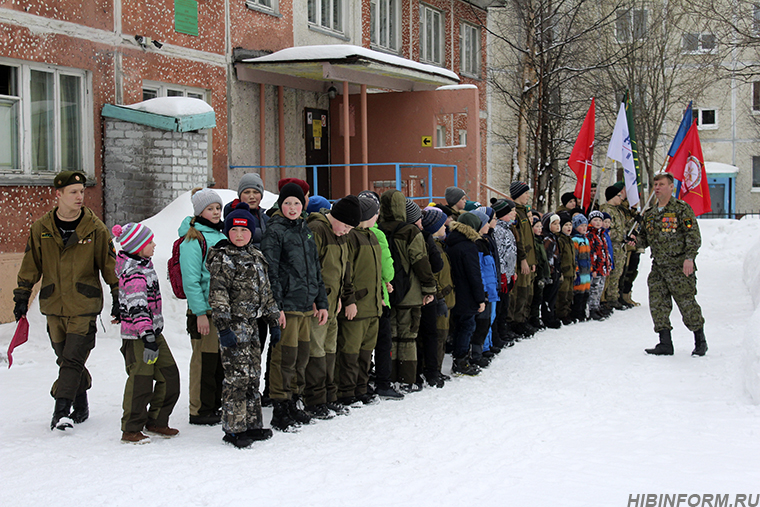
{"x": 720, "y": 168}
{"x": 457, "y": 87}
{"x": 173, "y": 106}
{"x": 343, "y": 51}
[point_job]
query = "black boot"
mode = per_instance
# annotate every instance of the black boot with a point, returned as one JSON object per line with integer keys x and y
{"x": 665, "y": 347}
{"x": 462, "y": 366}
{"x": 81, "y": 409}
{"x": 61, "y": 420}
{"x": 281, "y": 419}
{"x": 297, "y": 414}
{"x": 700, "y": 344}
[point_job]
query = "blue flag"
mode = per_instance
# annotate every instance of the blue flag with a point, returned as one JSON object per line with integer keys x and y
{"x": 683, "y": 128}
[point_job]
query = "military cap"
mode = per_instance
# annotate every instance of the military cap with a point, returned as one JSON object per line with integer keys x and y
{"x": 66, "y": 178}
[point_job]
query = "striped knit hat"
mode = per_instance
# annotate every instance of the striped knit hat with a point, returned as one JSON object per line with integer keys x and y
{"x": 132, "y": 237}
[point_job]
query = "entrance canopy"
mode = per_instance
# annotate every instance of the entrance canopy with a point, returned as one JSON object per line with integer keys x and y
{"x": 714, "y": 169}
{"x": 316, "y": 68}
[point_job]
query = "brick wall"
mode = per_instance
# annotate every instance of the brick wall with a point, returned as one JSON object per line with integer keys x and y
{"x": 151, "y": 166}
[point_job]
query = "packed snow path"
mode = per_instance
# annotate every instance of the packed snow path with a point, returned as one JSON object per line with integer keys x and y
{"x": 573, "y": 417}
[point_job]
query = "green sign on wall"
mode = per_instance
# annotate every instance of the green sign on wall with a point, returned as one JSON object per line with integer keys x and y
{"x": 186, "y": 16}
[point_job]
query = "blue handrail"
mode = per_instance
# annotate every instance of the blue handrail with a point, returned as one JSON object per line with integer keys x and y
{"x": 397, "y": 165}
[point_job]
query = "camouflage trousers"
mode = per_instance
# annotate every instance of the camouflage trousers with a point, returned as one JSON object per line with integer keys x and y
{"x": 521, "y": 297}
{"x": 241, "y": 401}
{"x": 405, "y": 322}
{"x": 667, "y": 283}
{"x": 612, "y": 284}
{"x": 595, "y": 292}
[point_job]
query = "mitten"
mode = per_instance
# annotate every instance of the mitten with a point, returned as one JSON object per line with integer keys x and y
{"x": 274, "y": 335}
{"x": 227, "y": 338}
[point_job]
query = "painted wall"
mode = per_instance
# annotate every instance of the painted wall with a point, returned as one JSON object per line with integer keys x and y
{"x": 396, "y": 124}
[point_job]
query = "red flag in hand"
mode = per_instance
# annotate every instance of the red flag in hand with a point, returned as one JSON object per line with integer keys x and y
{"x": 581, "y": 157}
{"x": 688, "y": 166}
{"x": 19, "y": 337}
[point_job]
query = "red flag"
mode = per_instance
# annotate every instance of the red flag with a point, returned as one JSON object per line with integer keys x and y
{"x": 19, "y": 337}
{"x": 688, "y": 166}
{"x": 580, "y": 160}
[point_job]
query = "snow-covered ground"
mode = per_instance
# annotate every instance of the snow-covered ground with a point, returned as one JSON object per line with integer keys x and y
{"x": 573, "y": 417}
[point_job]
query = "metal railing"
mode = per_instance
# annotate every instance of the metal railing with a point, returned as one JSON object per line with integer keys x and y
{"x": 736, "y": 215}
{"x": 399, "y": 168}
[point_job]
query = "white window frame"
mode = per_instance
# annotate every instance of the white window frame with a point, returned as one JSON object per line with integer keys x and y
{"x": 700, "y": 119}
{"x": 703, "y": 43}
{"x": 315, "y": 15}
{"x": 428, "y": 51}
{"x": 383, "y": 21}
{"x": 25, "y": 173}
{"x": 469, "y": 50}
{"x": 266, "y": 6}
{"x": 632, "y": 30}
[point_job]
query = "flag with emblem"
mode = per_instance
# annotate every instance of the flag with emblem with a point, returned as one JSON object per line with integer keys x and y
{"x": 620, "y": 149}
{"x": 688, "y": 167}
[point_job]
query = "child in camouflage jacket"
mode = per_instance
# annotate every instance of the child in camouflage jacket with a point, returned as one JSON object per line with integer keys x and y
{"x": 240, "y": 294}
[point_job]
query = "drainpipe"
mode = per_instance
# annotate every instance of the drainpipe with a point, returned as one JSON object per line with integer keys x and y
{"x": 281, "y": 121}
{"x": 346, "y": 145}
{"x": 262, "y": 134}
{"x": 365, "y": 144}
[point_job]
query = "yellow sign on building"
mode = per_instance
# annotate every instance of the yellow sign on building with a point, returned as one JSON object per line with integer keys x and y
{"x": 427, "y": 141}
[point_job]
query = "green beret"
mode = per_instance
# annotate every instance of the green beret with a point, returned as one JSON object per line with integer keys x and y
{"x": 66, "y": 178}
{"x": 620, "y": 185}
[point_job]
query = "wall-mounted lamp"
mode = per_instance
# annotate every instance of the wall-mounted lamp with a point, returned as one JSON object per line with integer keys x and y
{"x": 157, "y": 44}
{"x": 141, "y": 40}
{"x": 332, "y": 92}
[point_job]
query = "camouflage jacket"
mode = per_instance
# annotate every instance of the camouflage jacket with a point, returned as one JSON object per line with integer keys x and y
{"x": 525, "y": 241}
{"x": 621, "y": 223}
{"x": 239, "y": 290}
{"x": 672, "y": 233}
{"x": 70, "y": 273}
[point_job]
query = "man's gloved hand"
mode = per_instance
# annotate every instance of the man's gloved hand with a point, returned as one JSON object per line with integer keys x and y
{"x": 227, "y": 338}
{"x": 115, "y": 312}
{"x": 21, "y": 307}
{"x": 441, "y": 309}
{"x": 274, "y": 335}
{"x": 150, "y": 354}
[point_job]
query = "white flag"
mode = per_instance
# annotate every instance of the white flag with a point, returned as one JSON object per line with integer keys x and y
{"x": 620, "y": 150}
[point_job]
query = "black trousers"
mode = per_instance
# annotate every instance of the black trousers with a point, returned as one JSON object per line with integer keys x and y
{"x": 383, "y": 350}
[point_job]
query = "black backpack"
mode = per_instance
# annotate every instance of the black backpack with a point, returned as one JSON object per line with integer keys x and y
{"x": 401, "y": 281}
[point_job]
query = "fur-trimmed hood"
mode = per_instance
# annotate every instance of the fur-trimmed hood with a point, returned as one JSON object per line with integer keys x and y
{"x": 464, "y": 229}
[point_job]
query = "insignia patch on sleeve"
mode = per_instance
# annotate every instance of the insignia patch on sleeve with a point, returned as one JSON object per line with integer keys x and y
{"x": 687, "y": 223}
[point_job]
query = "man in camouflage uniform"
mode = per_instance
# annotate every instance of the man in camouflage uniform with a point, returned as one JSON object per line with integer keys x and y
{"x": 520, "y": 299}
{"x": 621, "y": 224}
{"x": 671, "y": 230}
{"x": 70, "y": 249}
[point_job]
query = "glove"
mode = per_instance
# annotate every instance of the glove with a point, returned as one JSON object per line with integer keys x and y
{"x": 503, "y": 284}
{"x": 227, "y": 338}
{"x": 150, "y": 354}
{"x": 115, "y": 312}
{"x": 441, "y": 308}
{"x": 639, "y": 219}
{"x": 22, "y": 306}
{"x": 274, "y": 335}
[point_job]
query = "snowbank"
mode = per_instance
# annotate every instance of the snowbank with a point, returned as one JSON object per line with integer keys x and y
{"x": 751, "y": 277}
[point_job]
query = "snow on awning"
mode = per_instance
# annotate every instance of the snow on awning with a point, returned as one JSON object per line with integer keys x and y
{"x": 179, "y": 114}
{"x": 316, "y": 68}
{"x": 716, "y": 168}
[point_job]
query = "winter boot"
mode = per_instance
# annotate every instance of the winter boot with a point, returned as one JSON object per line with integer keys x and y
{"x": 281, "y": 419}
{"x": 134, "y": 437}
{"x": 239, "y": 440}
{"x": 81, "y": 410}
{"x": 319, "y": 411}
{"x": 628, "y": 299}
{"x": 297, "y": 414}
{"x": 595, "y": 314}
{"x": 462, "y": 366}
{"x": 338, "y": 408}
{"x": 700, "y": 344}
{"x": 388, "y": 393}
{"x": 257, "y": 434}
{"x": 625, "y": 304}
{"x": 61, "y": 420}
{"x": 161, "y": 431}
{"x": 665, "y": 347}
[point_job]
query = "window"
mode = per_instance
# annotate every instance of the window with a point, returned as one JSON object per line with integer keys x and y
{"x": 631, "y": 25}
{"x": 698, "y": 43}
{"x": 42, "y": 111}
{"x": 756, "y": 172}
{"x": 451, "y": 130}
{"x": 327, "y": 14}
{"x": 756, "y": 96}
{"x": 383, "y": 16}
{"x": 431, "y": 40}
{"x": 756, "y": 18}
{"x": 469, "y": 44}
{"x": 268, "y": 6}
{"x": 707, "y": 119}
{"x": 151, "y": 90}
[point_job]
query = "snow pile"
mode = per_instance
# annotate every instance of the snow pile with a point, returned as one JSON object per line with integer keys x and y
{"x": 751, "y": 277}
{"x": 173, "y": 106}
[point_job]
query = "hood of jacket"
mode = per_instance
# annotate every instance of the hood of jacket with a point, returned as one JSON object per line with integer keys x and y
{"x": 465, "y": 230}
{"x": 185, "y": 226}
{"x": 392, "y": 206}
{"x": 127, "y": 264}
